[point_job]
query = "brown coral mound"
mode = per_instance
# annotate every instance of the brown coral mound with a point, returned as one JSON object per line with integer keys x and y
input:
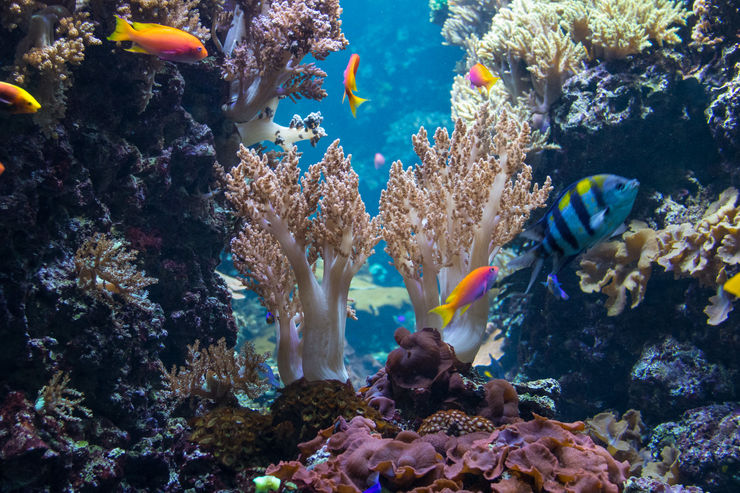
{"x": 307, "y": 407}
{"x": 235, "y": 436}
{"x": 424, "y": 376}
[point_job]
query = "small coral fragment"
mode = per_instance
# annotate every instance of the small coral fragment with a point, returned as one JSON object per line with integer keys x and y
{"x": 217, "y": 373}
{"x": 106, "y": 268}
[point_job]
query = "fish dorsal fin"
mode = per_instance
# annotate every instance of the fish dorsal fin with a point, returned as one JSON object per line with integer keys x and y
{"x": 145, "y": 26}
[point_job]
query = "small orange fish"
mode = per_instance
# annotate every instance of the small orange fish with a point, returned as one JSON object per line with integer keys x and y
{"x": 2, "y": 168}
{"x": 475, "y": 285}
{"x": 16, "y": 100}
{"x": 168, "y": 43}
{"x": 479, "y": 76}
{"x": 351, "y": 85}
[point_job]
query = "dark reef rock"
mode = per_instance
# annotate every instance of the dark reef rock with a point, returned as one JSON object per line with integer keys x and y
{"x": 634, "y": 118}
{"x": 671, "y": 377}
{"x": 144, "y": 177}
{"x": 709, "y": 441}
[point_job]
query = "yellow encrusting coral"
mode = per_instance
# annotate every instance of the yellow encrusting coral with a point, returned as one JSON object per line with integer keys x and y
{"x": 703, "y": 250}
{"x": 105, "y": 268}
{"x": 616, "y": 267}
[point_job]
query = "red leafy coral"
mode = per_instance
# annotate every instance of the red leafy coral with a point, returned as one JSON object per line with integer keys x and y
{"x": 534, "y": 456}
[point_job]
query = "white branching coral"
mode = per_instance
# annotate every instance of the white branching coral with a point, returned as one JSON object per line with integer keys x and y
{"x": 317, "y": 215}
{"x": 449, "y": 215}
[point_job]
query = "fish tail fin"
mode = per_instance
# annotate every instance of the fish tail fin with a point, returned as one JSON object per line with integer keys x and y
{"x": 354, "y": 102}
{"x": 445, "y": 312}
{"x": 491, "y": 83}
{"x": 122, "y": 32}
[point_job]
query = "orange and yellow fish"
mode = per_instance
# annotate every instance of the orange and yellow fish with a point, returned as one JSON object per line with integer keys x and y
{"x": 475, "y": 285}
{"x": 2, "y": 168}
{"x": 350, "y": 84}
{"x": 16, "y": 100}
{"x": 167, "y": 43}
{"x": 479, "y": 76}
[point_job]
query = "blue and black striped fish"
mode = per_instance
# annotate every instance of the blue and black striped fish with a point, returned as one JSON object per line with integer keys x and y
{"x": 586, "y": 213}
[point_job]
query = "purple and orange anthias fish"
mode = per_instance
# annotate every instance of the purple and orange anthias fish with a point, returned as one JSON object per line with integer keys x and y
{"x": 16, "y": 100}
{"x": 479, "y": 76}
{"x": 167, "y": 43}
{"x": 350, "y": 84}
{"x": 474, "y": 286}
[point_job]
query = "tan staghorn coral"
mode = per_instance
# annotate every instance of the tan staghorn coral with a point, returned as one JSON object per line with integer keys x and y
{"x": 703, "y": 250}
{"x": 264, "y": 49}
{"x": 552, "y": 39}
{"x": 216, "y": 373}
{"x": 619, "y": 28}
{"x": 449, "y": 215}
{"x": 532, "y": 34}
{"x": 16, "y": 13}
{"x": 56, "y": 40}
{"x": 105, "y": 268}
{"x": 317, "y": 215}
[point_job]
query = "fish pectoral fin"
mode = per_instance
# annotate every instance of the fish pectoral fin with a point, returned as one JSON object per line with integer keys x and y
{"x": 618, "y": 232}
{"x": 5, "y": 101}
{"x": 598, "y": 219}
{"x": 136, "y": 49}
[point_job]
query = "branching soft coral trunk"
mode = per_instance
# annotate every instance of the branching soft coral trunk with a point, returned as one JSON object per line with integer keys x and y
{"x": 471, "y": 194}
{"x": 264, "y": 47}
{"x": 319, "y": 216}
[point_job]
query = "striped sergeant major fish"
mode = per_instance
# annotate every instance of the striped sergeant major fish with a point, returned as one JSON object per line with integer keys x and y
{"x": 587, "y": 212}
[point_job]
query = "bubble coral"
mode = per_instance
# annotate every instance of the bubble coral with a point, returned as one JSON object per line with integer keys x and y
{"x": 307, "y": 407}
{"x": 454, "y": 422}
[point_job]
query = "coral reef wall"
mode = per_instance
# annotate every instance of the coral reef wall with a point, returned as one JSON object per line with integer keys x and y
{"x": 128, "y": 161}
